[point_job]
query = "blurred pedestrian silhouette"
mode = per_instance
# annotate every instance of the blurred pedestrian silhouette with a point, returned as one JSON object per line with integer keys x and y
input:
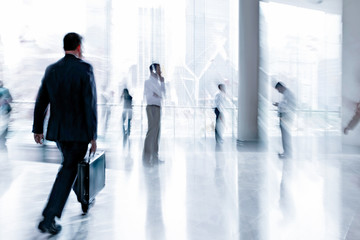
{"x": 286, "y": 109}
{"x": 127, "y": 113}
{"x": 107, "y": 99}
{"x": 68, "y": 86}
{"x": 154, "y": 90}
{"x": 354, "y": 120}
{"x": 5, "y": 109}
{"x": 219, "y": 112}
{"x": 221, "y": 103}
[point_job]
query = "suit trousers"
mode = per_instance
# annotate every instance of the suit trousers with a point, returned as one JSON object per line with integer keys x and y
{"x": 73, "y": 153}
{"x": 151, "y": 145}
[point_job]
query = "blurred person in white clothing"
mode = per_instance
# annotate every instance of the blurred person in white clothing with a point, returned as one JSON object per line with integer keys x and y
{"x": 286, "y": 109}
{"x": 154, "y": 91}
{"x": 220, "y": 100}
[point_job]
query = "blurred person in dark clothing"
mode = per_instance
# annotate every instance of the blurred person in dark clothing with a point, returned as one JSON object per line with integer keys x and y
{"x": 127, "y": 112}
{"x": 68, "y": 87}
{"x": 286, "y": 109}
{"x": 5, "y": 109}
{"x": 154, "y": 90}
{"x": 354, "y": 120}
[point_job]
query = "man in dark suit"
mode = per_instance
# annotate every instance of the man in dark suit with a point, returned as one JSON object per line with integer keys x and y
{"x": 68, "y": 86}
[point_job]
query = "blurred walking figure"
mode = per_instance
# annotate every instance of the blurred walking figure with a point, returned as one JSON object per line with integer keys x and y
{"x": 127, "y": 113}
{"x": 354, "y": 120}
{"x": 107, "y": 98}
{"x": 286, "y": 109}
{"x": 5, "y": 109}
{"x": 68, "y": 86}
{"x": 219, "y": 110}
{"x": 221, "y": 102}
{"x": 154, "y": 90}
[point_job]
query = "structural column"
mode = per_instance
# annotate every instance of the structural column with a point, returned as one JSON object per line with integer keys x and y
{"x": 248, "y": 70}
{"x": 350, "y": 67}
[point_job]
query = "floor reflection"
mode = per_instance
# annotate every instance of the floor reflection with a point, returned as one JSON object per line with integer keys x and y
{"x": 286, "y": 201}
{"x": 154, "y": 216}
{"x": 201, "y": 191}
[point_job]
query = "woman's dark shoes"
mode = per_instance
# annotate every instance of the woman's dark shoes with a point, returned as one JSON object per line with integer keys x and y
{"x": 49, "y": 227}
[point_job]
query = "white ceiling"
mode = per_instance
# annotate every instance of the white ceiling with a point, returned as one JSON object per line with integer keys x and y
{"x": 330, "y": 6}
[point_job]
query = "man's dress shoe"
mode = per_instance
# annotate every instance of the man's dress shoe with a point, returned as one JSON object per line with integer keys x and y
{"x": 51, "y": 228}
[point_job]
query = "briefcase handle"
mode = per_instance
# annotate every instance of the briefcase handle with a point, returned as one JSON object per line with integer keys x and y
{"x": 88, "y": 156}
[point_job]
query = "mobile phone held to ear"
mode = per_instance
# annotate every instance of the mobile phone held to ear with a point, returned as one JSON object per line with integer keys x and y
{"x": 153, "y": 68}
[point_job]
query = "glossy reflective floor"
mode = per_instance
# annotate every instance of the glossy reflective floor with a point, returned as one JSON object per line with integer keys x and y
{"x": 200, "y": 192}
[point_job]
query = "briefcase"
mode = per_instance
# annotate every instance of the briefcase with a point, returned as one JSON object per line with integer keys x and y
{"x": 91, "y": 179}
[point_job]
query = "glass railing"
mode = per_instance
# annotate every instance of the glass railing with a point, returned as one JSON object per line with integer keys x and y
{"x": 176, "y": 121}
{"x": 182, "y": 122}
{"x": 309, "y": 123}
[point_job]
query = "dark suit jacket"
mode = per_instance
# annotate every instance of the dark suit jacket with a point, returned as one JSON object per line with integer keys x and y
{"x": 69, "y": 87}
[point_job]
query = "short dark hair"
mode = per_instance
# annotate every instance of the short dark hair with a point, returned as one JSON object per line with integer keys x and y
{"x": 126, "y": 91}
{"x": 154, "y": 65}
{"x": 279, "y": 84}
{"x": 221, "y": 86}
{"x": 72, "y": 41}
